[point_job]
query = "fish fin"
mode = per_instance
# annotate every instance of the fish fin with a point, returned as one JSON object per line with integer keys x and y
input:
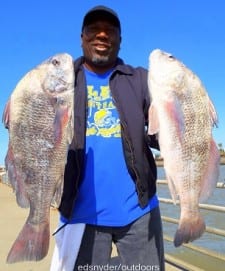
{"x": 70, "y": 128}
{"x": 153, "y": 121}
{"x": 15, "y": 179}
{"x": 60, "y": 121}
{"x": 10, "y": 167}
{"x": 213, "y": 114}
{"x": 31, "y": 244}
{"x": 58, "y": 195}
{"x": 175, "y": 114}
{"x": 191, "y": 227}
{"x": 6, "y": 115}
{"x": 211, "y": 175}
{"x": 21, "y": 194}
{"x": 172, "y": 189}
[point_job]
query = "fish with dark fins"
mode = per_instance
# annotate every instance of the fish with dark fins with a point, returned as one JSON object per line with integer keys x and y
{"x": 39, "y": 118}
{"x": 183, "y": 116}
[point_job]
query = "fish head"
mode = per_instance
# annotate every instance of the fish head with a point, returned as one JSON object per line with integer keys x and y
{"x": 165, "y": 71}
{"x": 57, "y": 73}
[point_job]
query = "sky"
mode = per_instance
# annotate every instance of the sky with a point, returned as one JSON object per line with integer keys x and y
{"x": 192, "y": 30}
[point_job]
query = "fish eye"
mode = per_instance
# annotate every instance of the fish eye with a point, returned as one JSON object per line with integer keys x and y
{"x": 55, "y": 62}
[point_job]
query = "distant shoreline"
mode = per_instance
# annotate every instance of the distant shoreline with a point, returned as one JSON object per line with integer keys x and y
{"x": 159, "y": 161}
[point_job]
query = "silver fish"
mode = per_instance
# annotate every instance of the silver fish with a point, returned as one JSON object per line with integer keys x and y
{"x": 183, "y": 116}
{"x": 39, "y": 116}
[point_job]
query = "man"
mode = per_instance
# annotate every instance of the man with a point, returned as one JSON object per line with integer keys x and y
{"x": 110, "y": 176}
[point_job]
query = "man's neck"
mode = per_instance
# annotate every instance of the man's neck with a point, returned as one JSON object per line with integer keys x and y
{"x": 98, "y": 68}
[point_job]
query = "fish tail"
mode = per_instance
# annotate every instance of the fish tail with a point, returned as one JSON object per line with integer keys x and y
{"x": 189, "y": 229}
{"x": 31, "y": 245}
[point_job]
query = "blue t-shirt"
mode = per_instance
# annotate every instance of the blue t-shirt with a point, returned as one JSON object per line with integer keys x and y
{"x": 107, "y": 194}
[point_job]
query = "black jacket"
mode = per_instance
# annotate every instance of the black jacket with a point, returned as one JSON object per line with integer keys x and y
{"x": 129, "y": 90}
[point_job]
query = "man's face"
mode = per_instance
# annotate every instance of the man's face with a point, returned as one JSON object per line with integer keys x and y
{"x": 101, "y": 43}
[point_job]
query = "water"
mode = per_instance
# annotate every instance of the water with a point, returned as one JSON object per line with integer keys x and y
{"x": 213, "y": 219}
{"x": 161, "y": 173}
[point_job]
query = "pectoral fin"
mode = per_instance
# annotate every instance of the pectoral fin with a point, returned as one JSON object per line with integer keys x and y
{"x": 61, "y": 120}
{"x": 175, "y": 115}
{"x": 153, "y": 121}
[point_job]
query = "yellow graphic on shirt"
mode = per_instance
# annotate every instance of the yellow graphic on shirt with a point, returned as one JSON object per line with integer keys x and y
{"x": 102, "y": 118}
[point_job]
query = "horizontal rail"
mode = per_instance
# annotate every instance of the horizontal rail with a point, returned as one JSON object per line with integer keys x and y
{"x": 209, "y": 207}
{"x": 180, "y": 264}
{"x": 218, "y": 185}
{"x": 208, "y": 229}
{"x": 202, "y": 250}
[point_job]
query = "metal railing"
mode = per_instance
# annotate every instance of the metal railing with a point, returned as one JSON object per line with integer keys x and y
{"x": 177, "y": 263}
{"x": 181, "y": 264}
{"x": 218, "y": 185}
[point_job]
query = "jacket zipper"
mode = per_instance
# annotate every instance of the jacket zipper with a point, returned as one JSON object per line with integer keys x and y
{"x": 77, "y": 182}
{"x": 125, "y": 137}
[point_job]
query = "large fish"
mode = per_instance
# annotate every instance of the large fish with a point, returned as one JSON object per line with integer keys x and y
{"x": 39, "y": 116}
{"x": 183, "y": 115}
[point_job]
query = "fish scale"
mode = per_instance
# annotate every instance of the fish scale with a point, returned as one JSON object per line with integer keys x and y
{"x": 39, "y": 116}
{"x": 182, "y": 114}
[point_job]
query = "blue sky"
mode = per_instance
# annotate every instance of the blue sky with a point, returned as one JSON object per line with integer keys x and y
{"x": 193, "y": 31}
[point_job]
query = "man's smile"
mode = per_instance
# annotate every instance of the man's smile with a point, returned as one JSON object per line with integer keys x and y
{"x": 101, "y": 47}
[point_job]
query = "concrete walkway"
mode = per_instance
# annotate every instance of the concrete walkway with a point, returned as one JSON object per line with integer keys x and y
{"x": 12, "y": 220}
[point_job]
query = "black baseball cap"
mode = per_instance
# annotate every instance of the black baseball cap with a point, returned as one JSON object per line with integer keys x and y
{"x": 101, "y": 12}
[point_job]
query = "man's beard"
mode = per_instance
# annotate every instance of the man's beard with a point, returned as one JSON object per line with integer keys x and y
{"x": 100, "y": 60}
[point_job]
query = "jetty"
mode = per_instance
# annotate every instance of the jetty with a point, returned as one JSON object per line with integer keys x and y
{"x": 194, "y": 256}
